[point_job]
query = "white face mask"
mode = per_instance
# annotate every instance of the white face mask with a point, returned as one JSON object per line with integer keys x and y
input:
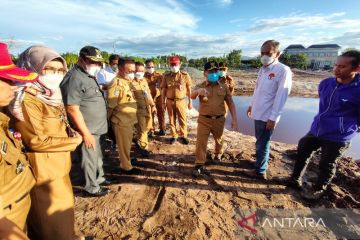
{"x": 93, "y": 70}
{"x": 130, "y": 76}
{"x": 175, "y": 69}
{"x": 222, "y": 73}
{"x": 114, "y": 68}
{"x": 150, "y": 70}
{"x": 51, "y": 81}
{"x": 266, "y": 60}
{"x": 139, "y": 75}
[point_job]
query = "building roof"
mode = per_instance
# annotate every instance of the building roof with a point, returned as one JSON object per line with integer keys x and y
{"x": 325, "y": 46}
{"x": 295, "y": 46}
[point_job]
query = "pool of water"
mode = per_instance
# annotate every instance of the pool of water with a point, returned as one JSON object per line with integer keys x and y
{"x": 295, "y": 121}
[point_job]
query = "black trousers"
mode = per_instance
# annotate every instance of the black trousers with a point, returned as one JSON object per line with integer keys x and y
{"x": 330, "y": 153}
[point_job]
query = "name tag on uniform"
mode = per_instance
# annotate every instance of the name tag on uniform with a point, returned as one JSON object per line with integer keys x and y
{"x": 4, "y": 147}
{"x": 117, "y": 93}
{"x": 181, "y": 87}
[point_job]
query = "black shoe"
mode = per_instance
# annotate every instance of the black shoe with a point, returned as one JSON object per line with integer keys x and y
{"x": 289, "y": 182}
{"x": 134, "y": 171}
{"x": 214, "y": 160}
{"x": 200, "y": 171}
{"x": 150, "y": 134}
{"x": 313, "y": 195}
{"x": 106, "y": 183}
{"x": 160, "y": 133}
{"x": 184, "y": 140}
{"x": 218, "y": 158}
{"x": 144, "y": 153}
{"x": 172, "y": 140}
{"x": 133, "y": 161}
{"x": 101, "y": 192}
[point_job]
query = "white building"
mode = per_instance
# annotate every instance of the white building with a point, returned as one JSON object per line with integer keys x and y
{"x": 320, "y": 56}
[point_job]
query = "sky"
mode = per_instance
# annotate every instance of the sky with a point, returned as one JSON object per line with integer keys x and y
{"x": 193, "y": 28}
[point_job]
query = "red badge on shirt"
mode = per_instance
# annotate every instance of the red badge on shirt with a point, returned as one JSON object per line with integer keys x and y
{"x": 271, "y": 76}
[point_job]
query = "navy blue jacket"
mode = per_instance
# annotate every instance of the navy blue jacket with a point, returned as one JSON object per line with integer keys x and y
{"x": 338, "y": 118}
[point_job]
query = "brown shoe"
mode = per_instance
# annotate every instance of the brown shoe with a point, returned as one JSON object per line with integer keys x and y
{"x": 255, "y": 174}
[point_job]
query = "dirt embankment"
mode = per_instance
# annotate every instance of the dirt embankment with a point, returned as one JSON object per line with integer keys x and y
{"x": 305, "y": 83}
{"x": 166, "y": 202}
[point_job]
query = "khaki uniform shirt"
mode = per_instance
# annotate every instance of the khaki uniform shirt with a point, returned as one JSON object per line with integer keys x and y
{"x": 141, "y": 93}
{"x": 217, "y": 95}
{"x": 16, "y": 177}
{"x": 176, "y": 84}
{"x": 154, "y": 81}
{"x": 122, "y": 101}
{"x": 229, "y": 81}
{"x": 45, "y": 136}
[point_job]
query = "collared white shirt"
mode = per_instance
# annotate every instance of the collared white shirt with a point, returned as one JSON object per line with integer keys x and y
{"x": 273, "y": 86}
{"x": 105, "y": 76}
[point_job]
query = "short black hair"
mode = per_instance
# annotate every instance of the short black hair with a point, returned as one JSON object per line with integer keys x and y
{"x": 222, "y": 64}
{"x": 125, "y": 60}
{"x": 355, "y": 55}
{"x": 113, "y": 57}
{"x": 273, "y": 43}
{"x": 139, "y": 64}
{"x": 211, "y": 65}
{"x": 149, "y": 61}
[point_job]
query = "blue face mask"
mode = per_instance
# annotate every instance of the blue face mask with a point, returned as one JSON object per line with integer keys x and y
{"x": 213, "y": 77}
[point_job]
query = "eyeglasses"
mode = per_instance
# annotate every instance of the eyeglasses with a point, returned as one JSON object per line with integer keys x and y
{"x": 50, "y": 70}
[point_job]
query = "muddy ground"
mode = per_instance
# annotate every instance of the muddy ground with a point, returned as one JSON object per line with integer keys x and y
{"x": 166, "y": 202}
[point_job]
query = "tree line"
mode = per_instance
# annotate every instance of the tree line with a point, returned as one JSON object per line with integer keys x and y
{"x": 232, "y": 59}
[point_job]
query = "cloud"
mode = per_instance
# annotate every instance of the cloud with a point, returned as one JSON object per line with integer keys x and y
{"x": 19, "y": 43}
{"x": 304, "y": 20}
{"x": 159, "y": 27}
{"x": 348, "y": 39}
{"x": 82, "y": 22}
{"x": 225, "y": 2}
{"x": 192, "y": 45}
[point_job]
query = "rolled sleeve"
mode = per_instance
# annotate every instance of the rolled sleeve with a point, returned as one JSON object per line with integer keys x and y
{"x": 72, "y": 91}
{"x": 188, "y": 81}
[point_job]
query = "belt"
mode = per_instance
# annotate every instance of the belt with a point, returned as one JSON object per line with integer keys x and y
{"x": 212, "y": 117}
{"x": 176, "y": 99}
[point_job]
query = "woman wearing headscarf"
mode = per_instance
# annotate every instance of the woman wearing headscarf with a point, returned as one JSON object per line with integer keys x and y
{"x": 48, "y": 138}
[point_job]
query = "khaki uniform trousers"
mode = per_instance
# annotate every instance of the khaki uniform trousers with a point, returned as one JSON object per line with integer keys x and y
{"x": 52, "y": 210}
{"x": 204, "y": 128}
{"x": 142, "y": 127}
{"x": 178, "y": 108}
{"x": 124, "y": 136}
{"x": 160, "y": 115}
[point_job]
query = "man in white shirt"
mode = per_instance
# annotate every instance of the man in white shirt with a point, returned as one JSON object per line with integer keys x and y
{"x": 106, "y": 75}
{"x": 272, "y": 88}
{"x": 104, "y": 78}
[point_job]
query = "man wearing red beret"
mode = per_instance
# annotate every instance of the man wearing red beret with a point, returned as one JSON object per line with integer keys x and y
{"x": 176, "y": 85}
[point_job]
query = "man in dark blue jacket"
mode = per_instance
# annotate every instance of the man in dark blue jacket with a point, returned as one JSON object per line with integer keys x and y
{"x": 336, "y": 123}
